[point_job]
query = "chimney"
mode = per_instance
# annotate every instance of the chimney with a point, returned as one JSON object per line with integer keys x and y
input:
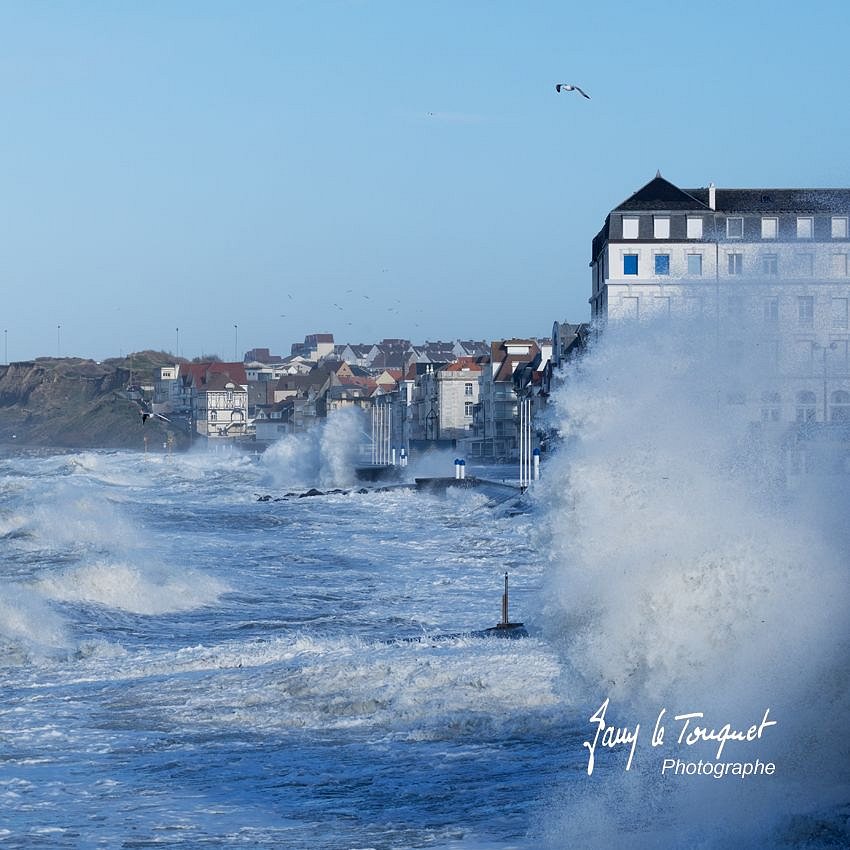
{"x": 711, "y": 199}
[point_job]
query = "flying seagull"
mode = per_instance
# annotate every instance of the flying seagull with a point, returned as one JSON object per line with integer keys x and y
{"x": 568, "y": 87}
{"x": 144, "y": 409}
{"x": 146, "y": 416}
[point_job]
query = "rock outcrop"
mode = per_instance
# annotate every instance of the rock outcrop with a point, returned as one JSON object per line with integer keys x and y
{"x": 74, "y": 403}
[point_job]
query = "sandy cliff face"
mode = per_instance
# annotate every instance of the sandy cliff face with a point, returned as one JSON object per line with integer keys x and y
{"x": 73, "y": 403}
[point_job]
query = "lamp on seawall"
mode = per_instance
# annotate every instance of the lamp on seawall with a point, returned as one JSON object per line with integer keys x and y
{"x": 816, "y": 346}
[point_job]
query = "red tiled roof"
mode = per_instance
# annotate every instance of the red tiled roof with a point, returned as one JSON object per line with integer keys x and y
{"x": 504, "y": 363}
{"x": 200, "y": 374}
{"x": 469, "y": 364}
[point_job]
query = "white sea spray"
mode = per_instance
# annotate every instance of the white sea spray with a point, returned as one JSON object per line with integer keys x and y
{"x": 683, "y": 575}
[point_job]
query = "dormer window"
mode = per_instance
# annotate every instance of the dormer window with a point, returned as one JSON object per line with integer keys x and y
{"x": 661, "y": 226}
{"x": 694, "y": 227}
{"x": 769, "y": 227}
{"x": 630, "y": 227}
{"x": 735, "y": 227}
{"x": 805, "y": 227}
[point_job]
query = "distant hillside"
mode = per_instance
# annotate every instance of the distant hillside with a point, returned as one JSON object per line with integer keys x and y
{"x": 74, "y": 403}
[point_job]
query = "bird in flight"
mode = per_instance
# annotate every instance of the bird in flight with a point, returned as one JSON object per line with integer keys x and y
{"x": 569, "y": 87}
{"x": 146, "y": 416}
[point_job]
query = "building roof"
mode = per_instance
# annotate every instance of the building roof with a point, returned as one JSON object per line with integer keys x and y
{"x": 303, "y": 383}
{"x": 781, "y": 200}
{"x": 220, "y": 381}
{"x": 464, "y": 364}
{"x": 475, "y": 347}
{"x": 504, "y": 364}
{"x": 200, "y": 374}
{"x": 661, "y": 194}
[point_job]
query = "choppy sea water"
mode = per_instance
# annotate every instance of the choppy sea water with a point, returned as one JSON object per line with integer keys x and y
{"x": 182, "y": 665}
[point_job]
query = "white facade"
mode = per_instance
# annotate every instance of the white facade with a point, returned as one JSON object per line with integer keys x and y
{"x": 166, "y": 395}
{"x": 765, "y": 264}
{"x": 443, "y": 402}
{"x": 221, "y": 411}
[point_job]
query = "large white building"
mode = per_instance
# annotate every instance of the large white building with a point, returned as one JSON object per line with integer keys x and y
{"x": 770, "y": 262}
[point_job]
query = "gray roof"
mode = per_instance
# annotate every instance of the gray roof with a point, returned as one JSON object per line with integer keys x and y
{"x": 661, "y": 194}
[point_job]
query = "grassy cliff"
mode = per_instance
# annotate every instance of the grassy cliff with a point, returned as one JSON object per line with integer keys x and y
{"x": 74, "y": 403}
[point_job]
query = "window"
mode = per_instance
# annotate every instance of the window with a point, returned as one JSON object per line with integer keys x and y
{"x": 805, "y": 227}
{"x": 630, "y": 264}
{"x": 630, "y": 227}
{"x": 839, "y": 227}
{"x": 736, "y": 264}
{"x": 735, "y": 227}
{"x": 771, "y": 310}
{"x": 769, "y": 227}
{"x": 662, "y": 264}
{"x": 771, "y": 406}
{"x": 806, "y": 310}
{"x": 839, "y": 265}
{"x": 804, "y": 264}
{"x": 770, "y": 264}
{"x": 839, "y": 407}
{"x": 467, "y": 409}
{"x": 694, "y": 227}
{"x": 695, "y": 264}
{"x": 467, "y": 389}
{"x": 806, "y": 410}
{"x": 661, "y": 226}
{"x": 839, "y": 313}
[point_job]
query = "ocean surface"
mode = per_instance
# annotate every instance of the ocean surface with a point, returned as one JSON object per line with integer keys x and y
{"x": 182, "y": 665}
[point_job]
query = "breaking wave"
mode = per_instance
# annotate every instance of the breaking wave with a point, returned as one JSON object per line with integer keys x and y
{"x": 138, "y": 589}
{"x": 684, "y": 575}
{"x": 324, "y": 456}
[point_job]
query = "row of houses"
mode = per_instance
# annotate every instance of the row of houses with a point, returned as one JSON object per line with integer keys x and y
{"x": 764, "y": 263}
{"x": 458, "y": 394}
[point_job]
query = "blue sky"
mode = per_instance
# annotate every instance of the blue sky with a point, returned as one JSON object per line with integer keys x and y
{"x": 271, "y": 164}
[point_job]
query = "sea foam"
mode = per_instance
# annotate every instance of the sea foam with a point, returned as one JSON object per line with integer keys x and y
{"x": 684, "y": 576}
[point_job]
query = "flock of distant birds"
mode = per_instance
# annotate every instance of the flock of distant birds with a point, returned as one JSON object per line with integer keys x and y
{"x": 559, "y": 87}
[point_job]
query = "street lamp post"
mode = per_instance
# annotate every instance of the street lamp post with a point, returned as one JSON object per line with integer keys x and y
{"x": 6, "y": 346}
{"x": 58, "y": 341}
{"x": 235, "y": 343}
{"x": 177, "y": 350}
